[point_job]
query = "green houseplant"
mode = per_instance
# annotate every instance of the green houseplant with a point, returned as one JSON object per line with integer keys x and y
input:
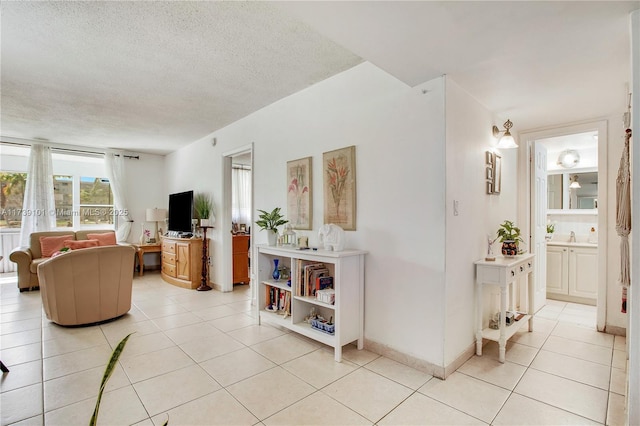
{"x": 270, "y": 222}
{"x": 203, "y": 207}
{"x": 509, "y": 235}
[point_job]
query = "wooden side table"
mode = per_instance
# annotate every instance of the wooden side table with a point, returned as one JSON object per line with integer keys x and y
{"x": 141, "y": 249}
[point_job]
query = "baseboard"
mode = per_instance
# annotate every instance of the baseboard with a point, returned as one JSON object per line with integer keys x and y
{"x": 461, "y": 359}
{"x": 615, "y": 330}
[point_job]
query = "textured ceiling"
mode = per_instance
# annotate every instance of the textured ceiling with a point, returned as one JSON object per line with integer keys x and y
{"x": 151, "y": 76}
{"x": 154, "y": 76}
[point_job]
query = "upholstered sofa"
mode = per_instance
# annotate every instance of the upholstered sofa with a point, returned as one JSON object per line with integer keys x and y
{"x": 28, "y": 258}
{"x": 87, "y": 286}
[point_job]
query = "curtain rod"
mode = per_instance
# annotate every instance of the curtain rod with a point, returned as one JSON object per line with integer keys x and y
{"x": 240, "y": 166}
{"x": 64, "y": 149}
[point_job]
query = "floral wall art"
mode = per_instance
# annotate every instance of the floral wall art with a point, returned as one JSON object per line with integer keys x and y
{"x": 299, "y": 199}
{"x": 339, "y": 174}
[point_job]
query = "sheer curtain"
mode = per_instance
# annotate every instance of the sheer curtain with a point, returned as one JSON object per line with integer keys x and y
{"x": 114, "y": 166}
{"x": 39, "y": 207}
{"x": 241, "y": 195}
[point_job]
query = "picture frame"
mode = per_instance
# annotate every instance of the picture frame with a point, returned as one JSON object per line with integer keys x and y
{"x": 489, "y": 158}
{"x": 299, "y": 195}
{"x": 497, "y": 174}
{"x": 489, "y": 187}
{"x": 339, "y": 187}
{"x": 242, "y": 228}
{"x": 489, "y": 174}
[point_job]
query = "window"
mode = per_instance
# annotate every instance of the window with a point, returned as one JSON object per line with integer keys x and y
{"x": 82, "y": 199}
{"x": 96, "y": 201}
{"x": 11, "y": 195}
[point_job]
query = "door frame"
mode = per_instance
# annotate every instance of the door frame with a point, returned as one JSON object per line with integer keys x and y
{"x": 527, "y": 142}
{"x": 227, "y": 237}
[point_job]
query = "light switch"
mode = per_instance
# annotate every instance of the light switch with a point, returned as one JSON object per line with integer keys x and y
{"x": 456, "y": 206}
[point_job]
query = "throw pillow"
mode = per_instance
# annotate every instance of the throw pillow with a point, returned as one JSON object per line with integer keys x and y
{"x": 104, "y": 239}
{"x": 50, "y": 245}
{"x": 80, "y": 244}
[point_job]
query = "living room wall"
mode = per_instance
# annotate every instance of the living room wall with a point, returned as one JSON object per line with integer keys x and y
{"x": 479, "y": 214}
{"x": 399, "y": 136}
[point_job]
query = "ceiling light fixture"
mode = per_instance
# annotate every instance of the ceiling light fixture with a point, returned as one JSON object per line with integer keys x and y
{"x": 568, "y": 158}
{"x": 574, "y": 182}
{"x": 506, "y": 140}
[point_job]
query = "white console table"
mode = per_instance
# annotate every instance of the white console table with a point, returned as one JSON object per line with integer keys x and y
{"x": 502, "y": 272}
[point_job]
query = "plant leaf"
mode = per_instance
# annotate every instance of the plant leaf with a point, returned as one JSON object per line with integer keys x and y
{"x": 115, "y": 355}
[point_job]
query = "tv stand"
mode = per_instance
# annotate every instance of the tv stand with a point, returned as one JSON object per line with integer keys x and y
{"x": 181, "y": 261}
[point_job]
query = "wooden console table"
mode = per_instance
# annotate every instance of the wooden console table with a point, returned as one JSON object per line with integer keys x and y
{"x": 503, "y": 272}
{"x": 141, "y": 249}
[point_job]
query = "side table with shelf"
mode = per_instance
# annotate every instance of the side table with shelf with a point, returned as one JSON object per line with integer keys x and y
{"x": 141, "y": 249}
{"x": 503, "y": 272}
{"x": 347, "y": 269}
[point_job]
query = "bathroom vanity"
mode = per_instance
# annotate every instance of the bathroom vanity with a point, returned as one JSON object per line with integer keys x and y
{"x": 572, "y": 272}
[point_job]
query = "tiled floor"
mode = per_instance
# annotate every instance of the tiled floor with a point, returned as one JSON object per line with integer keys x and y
{"x": 198, "y": 358}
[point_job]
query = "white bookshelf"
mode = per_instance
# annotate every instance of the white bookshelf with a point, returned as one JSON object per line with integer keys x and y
{"x": 347, "y": 269}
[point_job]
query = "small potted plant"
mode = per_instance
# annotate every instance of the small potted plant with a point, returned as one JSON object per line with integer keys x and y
{"x": 509, "y": 236}
{"x": 270, "y": 222}
{"x": 203, "y": 207}
{"x": 551, "y": 227}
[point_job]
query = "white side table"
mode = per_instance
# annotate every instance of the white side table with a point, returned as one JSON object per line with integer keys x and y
{"x": 503, "y": 272}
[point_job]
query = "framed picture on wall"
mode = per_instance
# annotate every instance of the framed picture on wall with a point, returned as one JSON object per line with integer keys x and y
{"x": 299, "y": 198}
{"x": 497, "y": 174}
{"x": 339, "y": 182}
{"x": 489, "y": 158}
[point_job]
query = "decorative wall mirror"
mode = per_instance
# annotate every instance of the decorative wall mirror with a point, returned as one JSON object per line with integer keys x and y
{"x": 572, "y": 190}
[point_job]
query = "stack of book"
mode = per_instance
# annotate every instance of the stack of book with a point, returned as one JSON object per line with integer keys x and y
{"x": 310, "y": 277}
{"x": 278, "y": 300}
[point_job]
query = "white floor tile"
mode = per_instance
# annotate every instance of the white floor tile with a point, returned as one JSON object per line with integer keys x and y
{"x": 284, "y": 348}
{"x": 20, "y": 404}
{"x": 318, "y": 368}
{"x": 577, "y": 349}
{"x": 421, "y": 410}
{"x": 405, "y": 375}
{"x": 579, "y": 370}
{"x": 506, "y": 375}
{"x": 474, "y": 397}
{"x": 520, "y": 410}
{"x": 209, "y": 347}
{"x": 577, "y": 398}
{"x": 368, "y": 393}
{"x": 236, "y": 366}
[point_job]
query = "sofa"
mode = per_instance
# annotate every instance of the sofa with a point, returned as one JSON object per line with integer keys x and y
{"x": 87, "y": 286}
{"x": 28, "y": 258}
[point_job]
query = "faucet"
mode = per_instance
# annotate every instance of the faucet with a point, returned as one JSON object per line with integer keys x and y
{"x": 572, "y": 237}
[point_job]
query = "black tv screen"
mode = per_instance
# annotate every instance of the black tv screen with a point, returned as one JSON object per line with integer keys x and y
{"x": 180, "y": 211}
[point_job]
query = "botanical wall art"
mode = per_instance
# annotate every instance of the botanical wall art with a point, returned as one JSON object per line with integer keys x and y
{"x": 299, "y": 199}
{"x": 339, "y": 178}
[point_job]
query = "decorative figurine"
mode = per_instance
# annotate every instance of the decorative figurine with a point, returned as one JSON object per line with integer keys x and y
{"x": 490, "y": 256}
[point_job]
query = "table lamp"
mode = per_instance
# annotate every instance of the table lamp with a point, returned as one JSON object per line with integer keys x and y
{"x": 156, "y": 215}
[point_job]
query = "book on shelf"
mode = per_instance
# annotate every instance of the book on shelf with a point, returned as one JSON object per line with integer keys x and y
{"x": 324, "y": 282}
{"x": 278, "y": 300}
{"x": 306, "y": 274}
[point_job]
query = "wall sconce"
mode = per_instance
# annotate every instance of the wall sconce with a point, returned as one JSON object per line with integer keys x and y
{"x": 574, "y": 182}
{"x": 568, "y": 158}
{"x": 156, "y": 215}
{"x": 506, "y": 140}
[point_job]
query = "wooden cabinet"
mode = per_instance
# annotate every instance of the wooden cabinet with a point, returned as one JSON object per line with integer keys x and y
{"x": 572, "y": 273}
{"x": 345, "y": 315}
{"x": 241, "y": 258}
{"x": 182, "y": 261}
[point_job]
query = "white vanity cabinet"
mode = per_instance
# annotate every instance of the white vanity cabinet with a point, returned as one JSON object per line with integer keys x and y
{"x": 572, "y": 272}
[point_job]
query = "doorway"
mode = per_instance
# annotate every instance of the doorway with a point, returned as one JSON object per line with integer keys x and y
{"x": 564, "y": 195}
{"x": 237, "y": 217}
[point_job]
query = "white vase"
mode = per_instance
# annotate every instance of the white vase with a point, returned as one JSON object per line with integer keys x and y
{"x": 272, "y": 237}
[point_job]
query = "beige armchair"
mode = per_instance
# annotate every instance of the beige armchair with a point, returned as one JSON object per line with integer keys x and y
{"x": 87, "y": 286}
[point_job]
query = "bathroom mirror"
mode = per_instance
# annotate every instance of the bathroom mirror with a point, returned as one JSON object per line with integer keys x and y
{"x": 572, "y": 190}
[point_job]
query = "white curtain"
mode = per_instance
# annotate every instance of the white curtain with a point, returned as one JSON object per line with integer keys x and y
{"x": 241, "y": 195}
{"x": 114, "y": 166}
{"x": 39, "y": 207}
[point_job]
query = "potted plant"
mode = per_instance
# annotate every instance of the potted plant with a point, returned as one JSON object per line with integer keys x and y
{"x": 270, "y": 222}
{"x": 551, "y": 227}
{"x": 509, "y": 235}
{"x": 203, "y": 207}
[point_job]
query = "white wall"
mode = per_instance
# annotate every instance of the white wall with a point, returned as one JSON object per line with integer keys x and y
{"x": 468, "y": 126}
{"x": 399, "y": 137}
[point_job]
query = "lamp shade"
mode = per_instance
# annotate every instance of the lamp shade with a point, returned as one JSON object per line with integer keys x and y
{"x": 156, "y": 215}
{"x": 507, "y": 141}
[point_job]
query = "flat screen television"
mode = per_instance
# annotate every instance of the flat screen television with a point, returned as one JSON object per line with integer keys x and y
{"x": 180, "y": 211}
